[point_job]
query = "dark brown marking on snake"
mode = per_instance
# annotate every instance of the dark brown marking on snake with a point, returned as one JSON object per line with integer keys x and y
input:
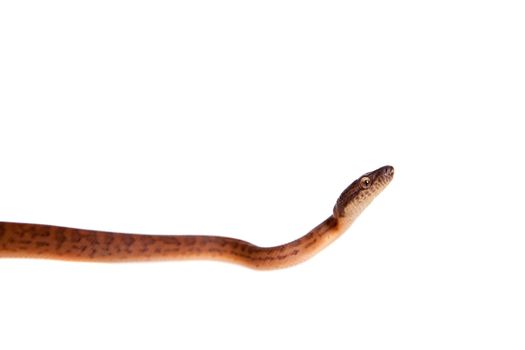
{"x": 128, "y": 240}
{"x": 108, "y": 239}
{"x": 171, "y": 250}
{"x": 20, "y": 231}
{"x": 309, "y": 244}
{"x": 147, "y": 242}
{"x": 42, "y": 244}
{"x": 169, "y": 240}
{"x": 92, "y": 239}
{"x": 37, "y": 234}
{"x": 237, "y": 253}
{"x": 75, "y": 236}
{"x": 2, "y": 230}
{"x": 60, "y": 237}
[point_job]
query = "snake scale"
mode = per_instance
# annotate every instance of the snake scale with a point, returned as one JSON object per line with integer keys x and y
{"x": 22, "y": 240}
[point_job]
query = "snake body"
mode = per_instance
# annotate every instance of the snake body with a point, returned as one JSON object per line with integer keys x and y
{"x": 22, "y": 240}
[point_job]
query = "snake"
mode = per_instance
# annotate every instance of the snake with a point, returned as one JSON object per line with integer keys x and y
{"x": 25, "y": 240}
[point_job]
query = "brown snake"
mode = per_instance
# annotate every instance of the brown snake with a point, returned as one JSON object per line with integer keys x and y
{"x": 53, "y": 242}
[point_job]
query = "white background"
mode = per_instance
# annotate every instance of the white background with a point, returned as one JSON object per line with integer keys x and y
{"x": 248, "y": 119}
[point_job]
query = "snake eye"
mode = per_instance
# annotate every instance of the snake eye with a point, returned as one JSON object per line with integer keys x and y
{"x": 365, "y": 182}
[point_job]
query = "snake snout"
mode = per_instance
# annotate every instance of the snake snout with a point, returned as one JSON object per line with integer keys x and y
{"x": 388, "y": 170}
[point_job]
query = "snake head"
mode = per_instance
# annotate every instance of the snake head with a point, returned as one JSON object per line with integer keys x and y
{"x": 356, "y": 197}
